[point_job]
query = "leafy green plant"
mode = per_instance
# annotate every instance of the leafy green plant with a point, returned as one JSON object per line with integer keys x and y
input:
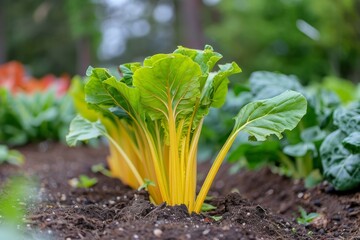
{"x": 296, "y": 155}
{"x": 26, "y": 118}
{"x": 82, "y": 181}
{"x": 10, "y": 156}
{"x": 153, "y": 116}
{"x": 340, "y": 151}
{"x": 306, "y": 218}
{"x": 32, "y": 109}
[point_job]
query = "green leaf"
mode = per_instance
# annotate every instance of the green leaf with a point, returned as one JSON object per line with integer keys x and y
{"x": 128, "y": 98}
{"x": 10, "y": 156}
{"x": 306, "y": 218}
{"x": 348, "y": 119}
{"x": 216, "y": 86}
{"x": 352, "y": 142}
{"x": 262, "y": 118}
{"x": 82, "y": 129}
{"x": 313, "y": 179}
{"x": 95, "y": 92}
{"x": 83, "y": 182}
{"x": 206, "y": 58}
{"x": 341, "y": 167}
{"x": 345, "y": 89}
{"x": 268, "y": 84}
{"x": 100, "y": 168}
{"x": 127, "y": 70}
{"x": 313, "y": 134}
{"x": 206, "y": 207}
{"x": 89, "y": 71}
{"x": 146, "y": 184}
{"x": 300, "y": 149}
{"x": 216, "y": 218}
{"x": 170, "y": 85}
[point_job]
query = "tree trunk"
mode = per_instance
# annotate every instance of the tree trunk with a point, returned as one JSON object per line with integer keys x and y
{"x": 191, "y": 24}
{"x": 2, "y": 36}
{"x": 83, "y": 55}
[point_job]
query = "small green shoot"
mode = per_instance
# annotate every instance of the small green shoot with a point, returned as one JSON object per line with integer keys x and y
{"x": 206, "y": 207}
{"x": 82, "y": 182}
{"x": 146, "y": 185}
{"x": 306, "y": 218}
{"x": 10, "y": 156}
{"x": 100, "y": 168}
{"x": 216, "y": 218}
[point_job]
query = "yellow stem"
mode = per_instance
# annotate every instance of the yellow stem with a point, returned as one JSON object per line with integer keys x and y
{"x": 127, "y": 160}
{"x": 212, "y": 173}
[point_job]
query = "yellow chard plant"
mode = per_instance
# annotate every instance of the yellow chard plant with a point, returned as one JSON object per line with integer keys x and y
{"x": 152, "y": 117}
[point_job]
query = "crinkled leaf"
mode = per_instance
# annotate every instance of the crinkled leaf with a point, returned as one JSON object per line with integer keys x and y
{"x": 348, "y": 119}
{"x": 271, "y": 116}
{"x": 268, "y": 84}
{"x": 82, "y": 129}
{"x": 352, "y": 142}
{"x": 341, "y": 167}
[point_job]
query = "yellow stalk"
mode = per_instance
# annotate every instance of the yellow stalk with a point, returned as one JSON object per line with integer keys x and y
{"x": 127, "y": 160}
{"x": 159, "y": 170}
{"x": 190, "y": 178}
{"x": 212, "y": 173}
{"x": 175, "y": 178}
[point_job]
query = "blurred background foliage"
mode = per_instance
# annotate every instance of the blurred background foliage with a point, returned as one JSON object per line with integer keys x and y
{"x": 311, "y": 39}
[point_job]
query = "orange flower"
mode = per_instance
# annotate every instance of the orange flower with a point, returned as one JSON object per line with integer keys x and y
{"x": 13, "y": 78}
{"x": 12, "y": 75}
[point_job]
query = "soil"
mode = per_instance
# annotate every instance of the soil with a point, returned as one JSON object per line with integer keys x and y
{"x": 253, "y": 205}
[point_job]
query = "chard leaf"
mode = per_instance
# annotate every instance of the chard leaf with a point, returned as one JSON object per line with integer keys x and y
{"x": 352, "y": 142}
{"x": 128, "y": 98}
{"x": 206, "y": 58}
{"x": 149, "y": 61}
{"x": 127, "y": 70}
{"x": 95, "y": 92}
{"x": 170, "y": 86}
{"x": 216, "y": 86}
{"x": 341, "y": 167}
{"x": 271, "y": 116}
{"x": 82, "y": 129}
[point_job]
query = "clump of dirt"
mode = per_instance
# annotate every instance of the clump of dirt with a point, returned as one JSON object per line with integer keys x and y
{"x": 250, "y": 204}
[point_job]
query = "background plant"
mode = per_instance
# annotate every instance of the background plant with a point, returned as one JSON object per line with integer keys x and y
{"x": 32, "y": 109}
{"x": 297, "y": 154}
{"x": 340, "y": 151}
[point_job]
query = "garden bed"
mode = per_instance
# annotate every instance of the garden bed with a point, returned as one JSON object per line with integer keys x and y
{"x": 253, "y": 205}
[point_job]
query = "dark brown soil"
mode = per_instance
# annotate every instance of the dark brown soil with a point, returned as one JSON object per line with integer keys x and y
{"x": 253, "y": 205}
